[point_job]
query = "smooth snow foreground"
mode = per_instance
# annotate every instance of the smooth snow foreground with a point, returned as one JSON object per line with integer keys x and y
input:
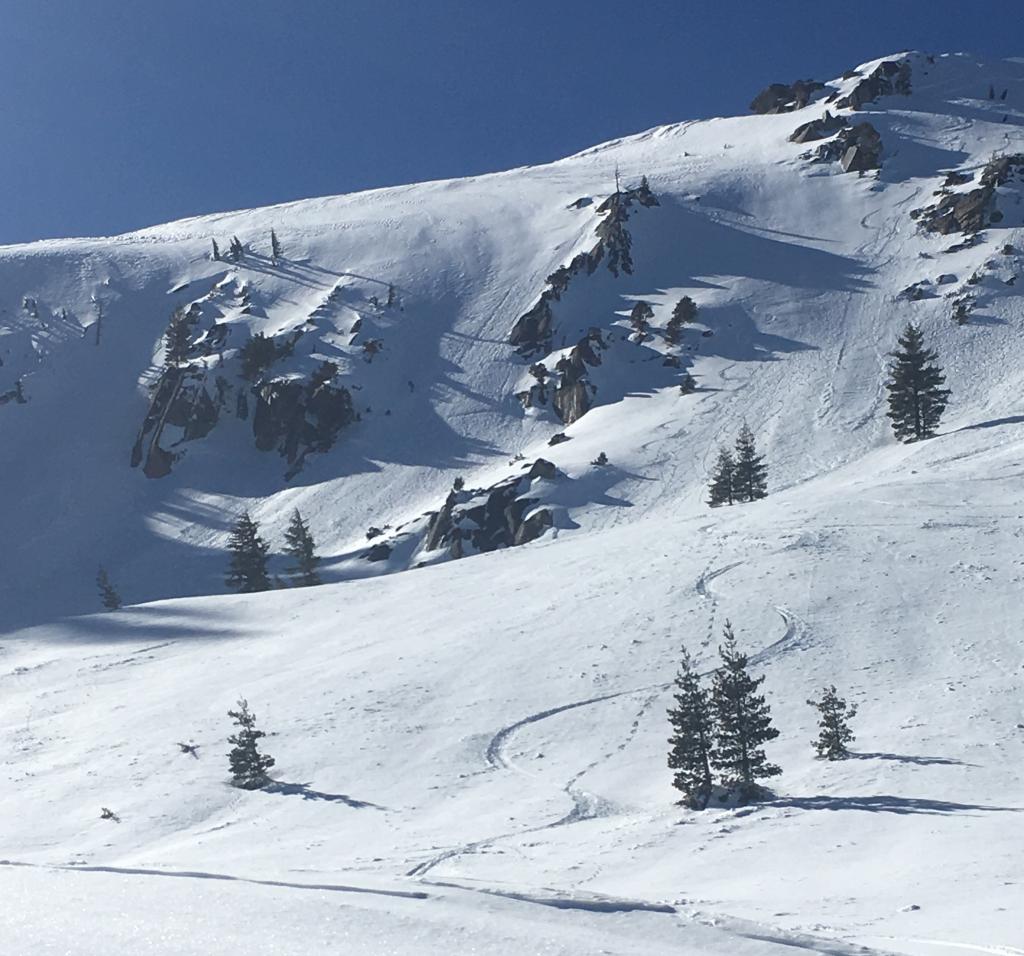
{"x": 471, "y": 755}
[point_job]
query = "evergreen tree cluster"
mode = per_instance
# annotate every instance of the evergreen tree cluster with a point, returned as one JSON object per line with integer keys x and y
{"x": 247, "y": 571}
{"x": 738, "y": 475}
{"x": 725, "y": 728}
{"x": 176, "y": 339}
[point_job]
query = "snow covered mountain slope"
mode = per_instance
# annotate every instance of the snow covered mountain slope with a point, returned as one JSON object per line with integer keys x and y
{"x": 486, "y": 738}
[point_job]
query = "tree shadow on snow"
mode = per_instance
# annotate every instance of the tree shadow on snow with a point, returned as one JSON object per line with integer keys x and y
{"x": 995, "y": 423}
{"x": 885, "y": 803}
{"x": 303, "y": 790}
{"x": 913, "y": 759}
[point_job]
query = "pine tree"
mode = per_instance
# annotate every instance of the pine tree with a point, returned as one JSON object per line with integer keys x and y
{"x": 248, "y": 766}
{"x": 720, "y": 489}
{"x": 750, "y": 476}
{"x": 176, "y": 340}
{"x": 108, "y": 595}
{"x": 685, "y": 311}
{"x": 300, "y": 546}
{"x": 275, "y": 246}
{"x": 248, "y": 569}
{"x": 257, "y": 354}
{"x": 743, "y": 722}
{"x": 833, "y": 728}
{"x": 216, "y": 250}
{"x": 691, "y": 740}
{"x": 236, "y": 250}
{"x": 640, "y": 319}
{"x": 916, "y": 398}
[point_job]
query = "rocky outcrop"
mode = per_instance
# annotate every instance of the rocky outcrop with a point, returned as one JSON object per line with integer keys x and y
{"x": 572, "y": 398}
{"x": 857, "y": 149}
{"x": 502, "y": 516}
{"x": 783, "y": 98}
{"x": 822, "y": 128}
{"x": 297, "y": 417}
{"x": 974, "y": 210}
{"x": 888, "y": 78}
{"x": 533, "y": 330}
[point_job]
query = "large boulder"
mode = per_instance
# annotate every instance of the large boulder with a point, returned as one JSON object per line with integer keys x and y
{"x": 889, "y": 77}
{"x": 784, "y": 98}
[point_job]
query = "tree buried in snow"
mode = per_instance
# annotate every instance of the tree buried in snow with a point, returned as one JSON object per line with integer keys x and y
{"x": 248, "y": 569}
{"x": 916, "y": 398}
{"x": 744, "y": 723}
{"x": 833, "y": 730}
{"x": 691, "y": 740}
{"x": 248, "y": 766}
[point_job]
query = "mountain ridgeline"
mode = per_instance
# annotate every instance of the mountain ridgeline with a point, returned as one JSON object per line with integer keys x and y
{"x": 449, "y": 368}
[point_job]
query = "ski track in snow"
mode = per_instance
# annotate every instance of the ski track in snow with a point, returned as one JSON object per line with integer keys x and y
{"x": 202, "y": 875}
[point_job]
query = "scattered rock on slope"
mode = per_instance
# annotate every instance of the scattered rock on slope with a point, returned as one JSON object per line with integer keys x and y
{"x": 784, "y": 98}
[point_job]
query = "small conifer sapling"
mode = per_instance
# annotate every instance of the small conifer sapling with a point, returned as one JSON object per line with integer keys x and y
{"x": 248, "y": 765}
{"x": 834, "y": 732}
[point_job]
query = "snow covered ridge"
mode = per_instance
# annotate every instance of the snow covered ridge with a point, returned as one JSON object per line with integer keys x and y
{"x": 353, "y": 356}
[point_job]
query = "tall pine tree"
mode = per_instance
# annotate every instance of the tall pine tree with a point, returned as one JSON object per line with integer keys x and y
{"x": 301, "y": 548}
{"x": 834, "y": 731}
{"x": 916, "y": 398}
{"x": 720, "y": 490}
{"x": 743, "y": 722}
{"x": 275, "y": 246}
{"x": 691, "y": 740}
{"x": 248, "y": 766}
{"x": 750, "y": 475}
{"x": 248, "y": 569}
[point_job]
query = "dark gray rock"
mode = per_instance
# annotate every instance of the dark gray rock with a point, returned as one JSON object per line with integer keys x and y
{"x": 888, "y": 78}
{"x": 822, "y": 128}
{"x": 784, "y": 98}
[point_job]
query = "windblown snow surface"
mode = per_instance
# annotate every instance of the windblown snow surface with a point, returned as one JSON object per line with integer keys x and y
{"x": 471, "y": 754}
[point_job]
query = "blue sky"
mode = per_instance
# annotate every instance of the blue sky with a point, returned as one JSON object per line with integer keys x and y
{"x": 123, "y": 113}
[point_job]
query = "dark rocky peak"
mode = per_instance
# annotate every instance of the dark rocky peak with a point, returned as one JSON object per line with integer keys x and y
{"x": 785, "y": 98}
{"x": 888, "y": 78}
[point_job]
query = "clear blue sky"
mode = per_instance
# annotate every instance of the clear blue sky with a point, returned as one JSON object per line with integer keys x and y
{"x": 122, "y": 113}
